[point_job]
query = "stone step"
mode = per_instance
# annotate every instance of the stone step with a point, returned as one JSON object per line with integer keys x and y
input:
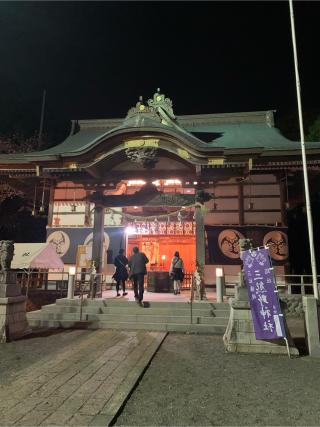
{"x": 125, "y": 303}
{"x": 169, "y": 327}
{"x": 135, "y": 309}
{"x": 137, "y": 318}
{"x": 208, "y": 317}
{"x": 91, "y": 305}
{"x": 145, "y": 318}
{"x": 165, "y": 311}
{"x": 53, "y": 308}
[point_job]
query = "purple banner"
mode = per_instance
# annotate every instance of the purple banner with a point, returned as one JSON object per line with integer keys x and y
{"x": 263, "y": 295}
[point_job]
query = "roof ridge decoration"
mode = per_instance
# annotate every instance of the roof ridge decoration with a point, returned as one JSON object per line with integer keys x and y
{"x": 142, "y": 109}
{"x": 161, "y": 104}
{"x": 158, "y": 108}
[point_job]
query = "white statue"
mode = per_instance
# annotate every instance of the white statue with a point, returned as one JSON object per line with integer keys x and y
{"x": 197, "y": 281}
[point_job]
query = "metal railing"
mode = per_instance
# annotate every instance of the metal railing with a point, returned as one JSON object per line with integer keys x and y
{"x": 287, "y": 284}
{"x": 187, "y": 281}
{"x": 44, "y": 280}
{"x": 185, "y": 285}
{"x": 291, "y": 284}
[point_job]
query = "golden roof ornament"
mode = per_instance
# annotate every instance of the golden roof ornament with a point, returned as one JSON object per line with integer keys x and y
{"x": 158, "y": 108}
{"x": 142, "y": 108}
{"x": 160, "y": 102}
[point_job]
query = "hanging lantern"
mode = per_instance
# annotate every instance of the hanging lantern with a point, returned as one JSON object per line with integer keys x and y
{"x": 41, "y": 209}
{"x": 33, "y": 212}
{"x": 73, "y": 205}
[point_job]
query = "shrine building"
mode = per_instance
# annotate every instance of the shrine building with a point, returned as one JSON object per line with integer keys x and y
{"x": 191, "y": 183}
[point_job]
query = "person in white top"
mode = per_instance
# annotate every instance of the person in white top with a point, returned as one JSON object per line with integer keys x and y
{"x": 176, "y": 272}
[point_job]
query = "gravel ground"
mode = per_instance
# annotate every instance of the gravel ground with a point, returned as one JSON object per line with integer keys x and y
{"x": 192, "y": 382}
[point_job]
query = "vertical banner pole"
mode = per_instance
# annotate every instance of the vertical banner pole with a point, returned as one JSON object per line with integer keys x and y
{"x": 304, "y": 160}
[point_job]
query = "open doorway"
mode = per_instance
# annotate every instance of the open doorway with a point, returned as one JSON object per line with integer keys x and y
{"x": 160, "y": 249}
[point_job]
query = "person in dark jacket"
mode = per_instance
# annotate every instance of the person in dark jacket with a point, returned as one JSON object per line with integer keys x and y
{"x": 121, "y": 273}
{"x": 138, "y": 269}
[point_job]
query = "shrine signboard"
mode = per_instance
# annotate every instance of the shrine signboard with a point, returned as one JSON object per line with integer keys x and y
{"x": 84, "y": 256}
{"x": 267, "y": 318}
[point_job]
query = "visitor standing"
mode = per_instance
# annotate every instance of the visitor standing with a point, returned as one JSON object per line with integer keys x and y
{"x": 138, "y": 269}
{"x": 121, "y": 273}
{"x": 176, "y": 272}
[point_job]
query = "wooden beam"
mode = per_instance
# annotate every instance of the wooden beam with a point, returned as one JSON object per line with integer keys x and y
{"x": 240, "y": 203}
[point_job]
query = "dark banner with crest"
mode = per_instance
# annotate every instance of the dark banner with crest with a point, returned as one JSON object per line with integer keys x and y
{"x": 222, "y": 242}
{"x": 67, "y": 239}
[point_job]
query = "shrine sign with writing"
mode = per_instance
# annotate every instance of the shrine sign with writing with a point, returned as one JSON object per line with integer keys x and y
{"x": 267, "y": 318}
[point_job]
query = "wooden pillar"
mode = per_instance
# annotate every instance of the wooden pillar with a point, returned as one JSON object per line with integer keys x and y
{"x": 51, "y": 205}
{"x": 87, "y": 213}
{"x": 200, "y": 240}
{"x": 97, "y": 244}
{"x": 240, "y": 204}
{"x": 200, "y": 245}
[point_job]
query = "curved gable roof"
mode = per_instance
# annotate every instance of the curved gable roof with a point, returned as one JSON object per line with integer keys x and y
{"x": 235, "y": 131}
{"x": 204, "y": 133}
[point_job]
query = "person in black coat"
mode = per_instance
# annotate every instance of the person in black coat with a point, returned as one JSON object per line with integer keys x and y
{"x": 121, "y": 273}
{"x": 138, "y": 269}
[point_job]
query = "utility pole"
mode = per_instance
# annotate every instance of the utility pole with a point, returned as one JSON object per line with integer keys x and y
{"x": 304, "y": 159}
{"x": 41, "y": 119}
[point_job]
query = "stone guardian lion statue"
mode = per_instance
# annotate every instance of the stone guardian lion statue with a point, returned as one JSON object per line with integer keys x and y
{"x": 6, "y": 254}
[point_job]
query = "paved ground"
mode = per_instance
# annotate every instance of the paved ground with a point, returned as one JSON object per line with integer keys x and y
{"x": 71, "y": 377}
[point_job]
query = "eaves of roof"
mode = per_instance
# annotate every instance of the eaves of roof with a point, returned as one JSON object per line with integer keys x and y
{"x": 230, "y": 134}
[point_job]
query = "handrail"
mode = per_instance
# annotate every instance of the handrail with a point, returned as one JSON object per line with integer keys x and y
{"x": 191, "y": 300}
{"x": 285, "y": 282}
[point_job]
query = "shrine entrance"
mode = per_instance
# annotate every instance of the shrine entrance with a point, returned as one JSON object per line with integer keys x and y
{"x": 160, "y": 250}
{"x": 159, "y": 223}
{"x": 160, "y": 239}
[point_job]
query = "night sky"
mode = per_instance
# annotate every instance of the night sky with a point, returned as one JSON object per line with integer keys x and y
{"x": 95, "y": 59}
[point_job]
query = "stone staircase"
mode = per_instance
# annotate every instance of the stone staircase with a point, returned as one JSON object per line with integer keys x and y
{"x": 207, "y": 317}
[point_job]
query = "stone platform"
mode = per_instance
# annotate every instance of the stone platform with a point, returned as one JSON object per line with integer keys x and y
{"x": 83, "y": 383}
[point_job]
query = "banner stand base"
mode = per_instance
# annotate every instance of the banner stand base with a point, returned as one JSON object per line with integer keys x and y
{"x": 240, "y": 337}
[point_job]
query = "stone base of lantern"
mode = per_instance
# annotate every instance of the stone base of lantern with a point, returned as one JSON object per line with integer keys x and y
{"x": 13, "y": 319}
